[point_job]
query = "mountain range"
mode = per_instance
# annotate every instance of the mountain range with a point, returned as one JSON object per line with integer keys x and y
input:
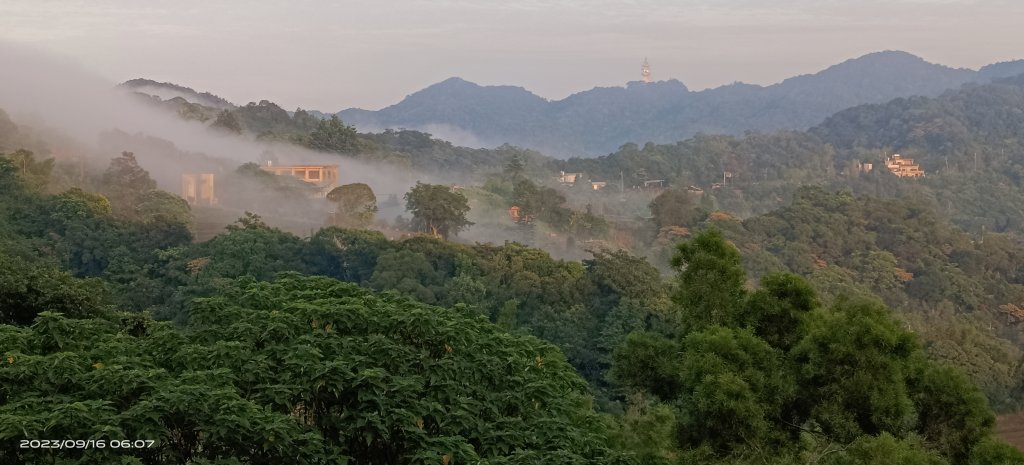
{"x": 600, "y": 120}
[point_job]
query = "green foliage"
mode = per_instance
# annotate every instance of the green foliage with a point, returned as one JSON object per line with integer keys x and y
{"x": 856, "y": 363}
{"x": 777, "y": 378}
{"x": 125, "y": 182}
{"x": 673, "y": 207}
{"x": 262, "y": 118}
{"x": 346, "y": 254}
{"x": 250, "y": 248}
{"x": 543, "y": 203}
{"x": 954, "y": 414}
{"x": 76, "y": 204}
{"x": 735, "y": 390}
{"x": 587, "y": 225}
{"x": 958, "y": 292}
{"x": 30, "y": 288}
{"x": 9, "y": 179}
{"x": 515, "y": 167}
{"x": 35, "y": 175}
{"x": 648, "y": 429}
{"x": 301, "y": 369}
{"x": 157, "y": 206}
{"x": 355, "y": 206}
{"x": 720, "y": 372}
{"x": 226, "y": 121}
{"x": 437, "y": 210}
{"x": 650, "y": 362}
{"x": 992, "y": 452}
{"x": 870, "y": 450}
{"x": 711, "y": 282}
{"x": 777, "y": 310}
{"x": 332, "y": 135}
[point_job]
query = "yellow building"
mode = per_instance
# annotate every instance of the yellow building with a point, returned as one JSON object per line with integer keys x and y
{"x": 903, "y": 167}
{"x": 197, "y": 189}
{"x": 324, "y": 177}
{"x": 568, "y": 179}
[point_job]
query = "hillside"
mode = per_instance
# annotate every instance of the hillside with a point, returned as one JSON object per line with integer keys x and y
{"x": 772, "y": 309}
{"x": 600, "y": 120}
{"x": 169, "y": 91}
{"x": 487, "y": 365}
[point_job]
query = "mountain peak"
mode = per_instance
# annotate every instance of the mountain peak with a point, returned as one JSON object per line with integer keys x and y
{"x": 889, "y": 55}
{"x": 891, "y": 59}
{"x": 454, "y": 81}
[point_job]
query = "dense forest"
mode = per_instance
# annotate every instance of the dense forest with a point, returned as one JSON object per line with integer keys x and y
{"x": 767, "y": 301}
{"x": 967, "y": 141}
{"x": 345, "y": 346}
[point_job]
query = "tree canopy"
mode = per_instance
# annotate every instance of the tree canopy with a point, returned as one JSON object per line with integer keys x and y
{"x": 437, "y": 210}
{"x": 306, "y": 369}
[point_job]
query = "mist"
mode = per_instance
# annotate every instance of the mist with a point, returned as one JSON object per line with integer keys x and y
{"x": 81, "y": 116}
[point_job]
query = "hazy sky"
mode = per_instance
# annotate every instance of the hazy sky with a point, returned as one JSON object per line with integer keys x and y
{"x": 334, "y": 54}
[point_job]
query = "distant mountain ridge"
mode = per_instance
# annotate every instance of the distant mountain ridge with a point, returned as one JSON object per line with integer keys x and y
{"x": 600, "y": 120}
{"x": 170, "y": 91}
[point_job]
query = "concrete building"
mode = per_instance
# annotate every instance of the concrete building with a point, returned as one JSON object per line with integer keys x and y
{"x": 323, "y": 177}
{"x": 569, "y": 179}
{"x": 903, "y": 167}
{"x": 198, "y": 189}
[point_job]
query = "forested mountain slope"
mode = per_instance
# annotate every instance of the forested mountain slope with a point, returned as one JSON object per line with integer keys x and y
{"x": 267, "y": 363}
{"x": 598, "y": 121}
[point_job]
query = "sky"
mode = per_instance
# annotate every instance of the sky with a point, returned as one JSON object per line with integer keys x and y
{"x": 330, "y": 55}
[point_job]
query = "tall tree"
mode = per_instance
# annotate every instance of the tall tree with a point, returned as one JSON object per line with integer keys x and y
{"x": 355, "y": 206}
{"x": 159, "y": 206}
{"x": 125, "y": 182}
{"x": 333, "y": 135}
{"x": 711, "y": 281}
{"x": 35, "y": 174}
{"x": 437, "y": 210}
{"x": 515, "y": 167}
{"x": 673, "y": 207}
{"x": 227, "y": 121}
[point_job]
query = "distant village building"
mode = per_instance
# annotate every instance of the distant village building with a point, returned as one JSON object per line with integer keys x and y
{"x": 569, "y": 179}
{"x": 518, "y": 216}
{"x": 903, "y": 167}
{"x": 695, "y": 190}
{"x": 654, "y": 184}
{"x": 597, "y": 185}
{"x": 323, "y": 177}
{"x": 198, "y": 189}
